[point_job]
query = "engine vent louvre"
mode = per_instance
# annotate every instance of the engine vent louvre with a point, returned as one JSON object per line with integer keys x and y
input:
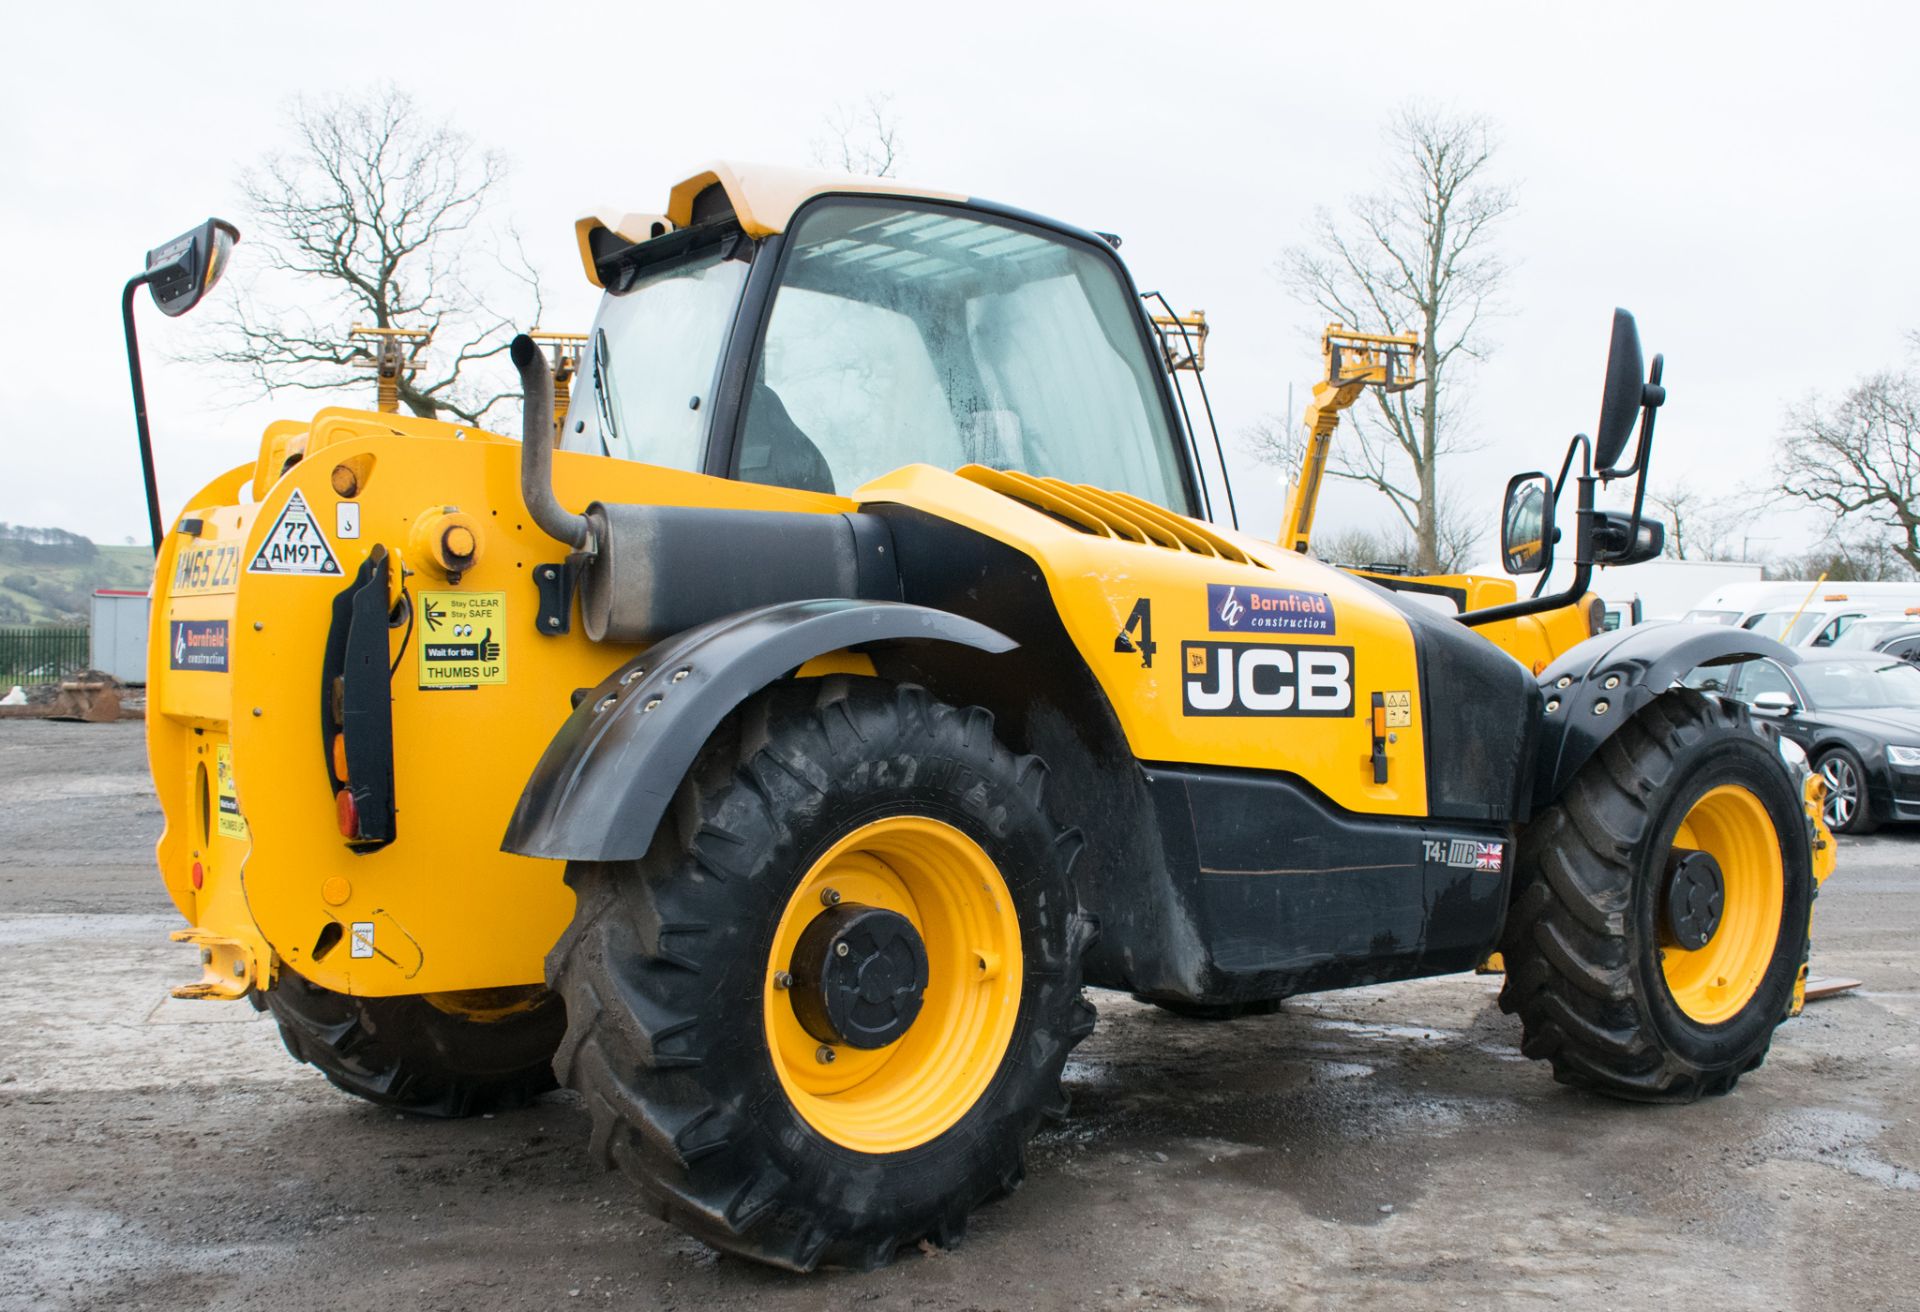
{"x": 1108, "y": 514}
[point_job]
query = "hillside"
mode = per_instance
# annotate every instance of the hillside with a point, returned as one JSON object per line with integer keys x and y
{"x": 47, "y": 574}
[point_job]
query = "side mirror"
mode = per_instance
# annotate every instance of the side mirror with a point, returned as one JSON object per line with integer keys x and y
{"x": 185, "y": 269}
{"x": 1625, "y": 392}
{"x": 1526, "y": 525}
{"x": 1617, "y": 540}
{"x": 1773, "y": 703}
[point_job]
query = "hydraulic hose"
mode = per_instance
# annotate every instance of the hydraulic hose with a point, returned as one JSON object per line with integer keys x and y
{"x": 536, "y": 448}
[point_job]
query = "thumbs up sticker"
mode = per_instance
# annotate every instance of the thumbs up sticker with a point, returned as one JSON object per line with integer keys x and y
{"x": 464, "y": 643}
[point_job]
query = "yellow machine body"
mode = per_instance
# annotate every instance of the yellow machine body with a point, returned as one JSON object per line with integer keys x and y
{"x": 442, "y": 908}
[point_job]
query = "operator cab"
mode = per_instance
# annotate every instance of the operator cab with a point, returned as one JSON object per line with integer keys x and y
{"x": 862, "y": 332}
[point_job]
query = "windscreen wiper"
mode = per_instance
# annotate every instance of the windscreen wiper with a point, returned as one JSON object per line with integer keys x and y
{"x": 603, "y": 392}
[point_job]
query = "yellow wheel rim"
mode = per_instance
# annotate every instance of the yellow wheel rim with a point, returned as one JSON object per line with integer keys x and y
{"x": 891, "y": 1099}
{"x": 1711, "y": 984}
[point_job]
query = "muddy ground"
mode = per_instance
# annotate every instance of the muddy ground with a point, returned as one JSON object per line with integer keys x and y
{"x": 1384, "y": 1148}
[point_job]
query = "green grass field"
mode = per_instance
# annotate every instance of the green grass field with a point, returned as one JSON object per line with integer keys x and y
{"x": 45, "y": 582}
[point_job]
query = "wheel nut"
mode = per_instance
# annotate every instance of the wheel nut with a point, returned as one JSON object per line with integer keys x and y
{"x": 782, "y": 979}
{"x": 824, "y": 1055}
{"x": 840, "y": 949}
{"x": 830, "y": 897}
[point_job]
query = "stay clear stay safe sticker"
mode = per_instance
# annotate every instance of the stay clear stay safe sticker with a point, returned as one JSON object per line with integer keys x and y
{"x": 462, "y": 639}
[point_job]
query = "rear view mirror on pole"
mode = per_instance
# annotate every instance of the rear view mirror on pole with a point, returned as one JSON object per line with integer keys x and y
{"x": 178, "y": 274}
{"x": 185, "y": 269}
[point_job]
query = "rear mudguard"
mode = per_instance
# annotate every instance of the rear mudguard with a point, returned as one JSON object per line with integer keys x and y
{"x": 1601, "y": 684}
{"x": 607, "y": 777}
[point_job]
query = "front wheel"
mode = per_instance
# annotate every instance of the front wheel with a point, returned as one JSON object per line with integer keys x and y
{"x": 1662, "y": 912}
{"x": 1847, "y": 811}
{"x": 821, "y": 1018}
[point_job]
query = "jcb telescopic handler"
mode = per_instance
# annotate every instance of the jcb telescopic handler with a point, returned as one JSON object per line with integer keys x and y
{"x": 777, "y": 761}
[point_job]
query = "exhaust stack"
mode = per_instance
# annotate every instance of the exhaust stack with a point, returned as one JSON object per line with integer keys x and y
{"x": 536, "y": 449}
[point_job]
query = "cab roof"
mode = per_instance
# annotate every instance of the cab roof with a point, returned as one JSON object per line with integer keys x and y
{"x": 762, "y": 198}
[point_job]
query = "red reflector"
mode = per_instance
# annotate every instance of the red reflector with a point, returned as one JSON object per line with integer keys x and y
{"x": 348, "y": 813}
{"x": 199, "y": 875}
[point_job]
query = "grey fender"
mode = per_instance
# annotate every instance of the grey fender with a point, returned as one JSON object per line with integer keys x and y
{"x": 606, "y": 778}
{"x": 1598, "y": 686}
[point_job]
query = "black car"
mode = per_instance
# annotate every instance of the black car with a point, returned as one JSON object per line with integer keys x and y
{"x": 1857, "y": 715}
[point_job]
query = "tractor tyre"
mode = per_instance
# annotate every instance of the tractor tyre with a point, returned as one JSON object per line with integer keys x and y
{"x": 746, "y": 1020}
{"x": 1662, "y": 905}
{"x": 444, "y": 1055}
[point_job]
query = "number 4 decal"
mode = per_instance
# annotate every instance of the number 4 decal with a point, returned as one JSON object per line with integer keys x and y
{"x": 1137, "y": 633}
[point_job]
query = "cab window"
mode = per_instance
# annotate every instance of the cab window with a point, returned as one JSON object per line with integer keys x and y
{"x": 902, "y": 334}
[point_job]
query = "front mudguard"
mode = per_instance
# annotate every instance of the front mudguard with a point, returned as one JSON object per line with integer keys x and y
{"x": 607, "y": 778}
{"x": 1598, "y": 686}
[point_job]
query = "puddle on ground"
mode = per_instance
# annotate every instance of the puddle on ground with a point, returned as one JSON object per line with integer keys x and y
{"x": 1827, "y": 1136}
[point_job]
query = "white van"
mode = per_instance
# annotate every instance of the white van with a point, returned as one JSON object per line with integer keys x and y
{"x": 1802, "y": 612}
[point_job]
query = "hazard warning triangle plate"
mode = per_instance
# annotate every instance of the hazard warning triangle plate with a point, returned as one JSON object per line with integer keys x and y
{"x": 295, "y": 544}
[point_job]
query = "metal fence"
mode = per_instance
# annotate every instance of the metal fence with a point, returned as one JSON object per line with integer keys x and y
{"x": 40, "y": 655}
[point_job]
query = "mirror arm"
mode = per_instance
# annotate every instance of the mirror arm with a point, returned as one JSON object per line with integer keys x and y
{"x": 1578, "y": 444}
{"x": 1582, "y": 549}
{"x": 134, "y": 284}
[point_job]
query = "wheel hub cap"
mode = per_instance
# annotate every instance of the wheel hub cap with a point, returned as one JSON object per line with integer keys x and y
{"x": 859, "y": 976}
{"x": 1696, "y": 896}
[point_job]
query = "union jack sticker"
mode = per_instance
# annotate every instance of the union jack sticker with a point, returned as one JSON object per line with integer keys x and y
{"x": 1489, "y": 856}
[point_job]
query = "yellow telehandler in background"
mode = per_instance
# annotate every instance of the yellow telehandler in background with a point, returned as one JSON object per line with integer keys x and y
{"x": 777, "y": 761}
{"x": 1352, "y": 363}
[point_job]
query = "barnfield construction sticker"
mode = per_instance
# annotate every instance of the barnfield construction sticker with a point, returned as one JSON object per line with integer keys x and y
{"x": 462, "y": 639}
{"x": 231, "y": 823}
{"x": 295, "y": 544}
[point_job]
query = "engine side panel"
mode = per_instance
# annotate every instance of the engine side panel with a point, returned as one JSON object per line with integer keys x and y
{"x": 1271, "y": 664}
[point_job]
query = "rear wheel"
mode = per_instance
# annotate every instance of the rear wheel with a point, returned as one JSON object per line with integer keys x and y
{"x": 821, "y": 1017}
{"x": 1661, "y": 918}
{"x": 441, "y": 1054}
{"x": 1847, "y": 811}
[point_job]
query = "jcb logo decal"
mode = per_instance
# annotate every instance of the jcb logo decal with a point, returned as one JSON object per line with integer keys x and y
{"x": 1246, "y": 678}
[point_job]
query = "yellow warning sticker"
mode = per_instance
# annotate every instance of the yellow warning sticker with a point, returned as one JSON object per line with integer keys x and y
{"x": 1399, "y": 709}
{"x": 462, "y": 639}
{"x": 230, "y": 823}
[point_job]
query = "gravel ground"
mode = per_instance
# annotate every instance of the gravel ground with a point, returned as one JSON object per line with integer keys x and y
{"x": 1385, "y": 1147}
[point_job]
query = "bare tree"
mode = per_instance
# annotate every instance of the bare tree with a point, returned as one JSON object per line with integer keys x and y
{"x": 1859, "y": 462}
{"x": 863, "y": 138}
{"x": 1839, "y": 560}
{"x": 1699, "y": 527}
{"x": 378, "y": 216}
{"x": 1413, "y": 257}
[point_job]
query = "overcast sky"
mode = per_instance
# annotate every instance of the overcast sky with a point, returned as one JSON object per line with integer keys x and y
{"x": 1741, "y": 176}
